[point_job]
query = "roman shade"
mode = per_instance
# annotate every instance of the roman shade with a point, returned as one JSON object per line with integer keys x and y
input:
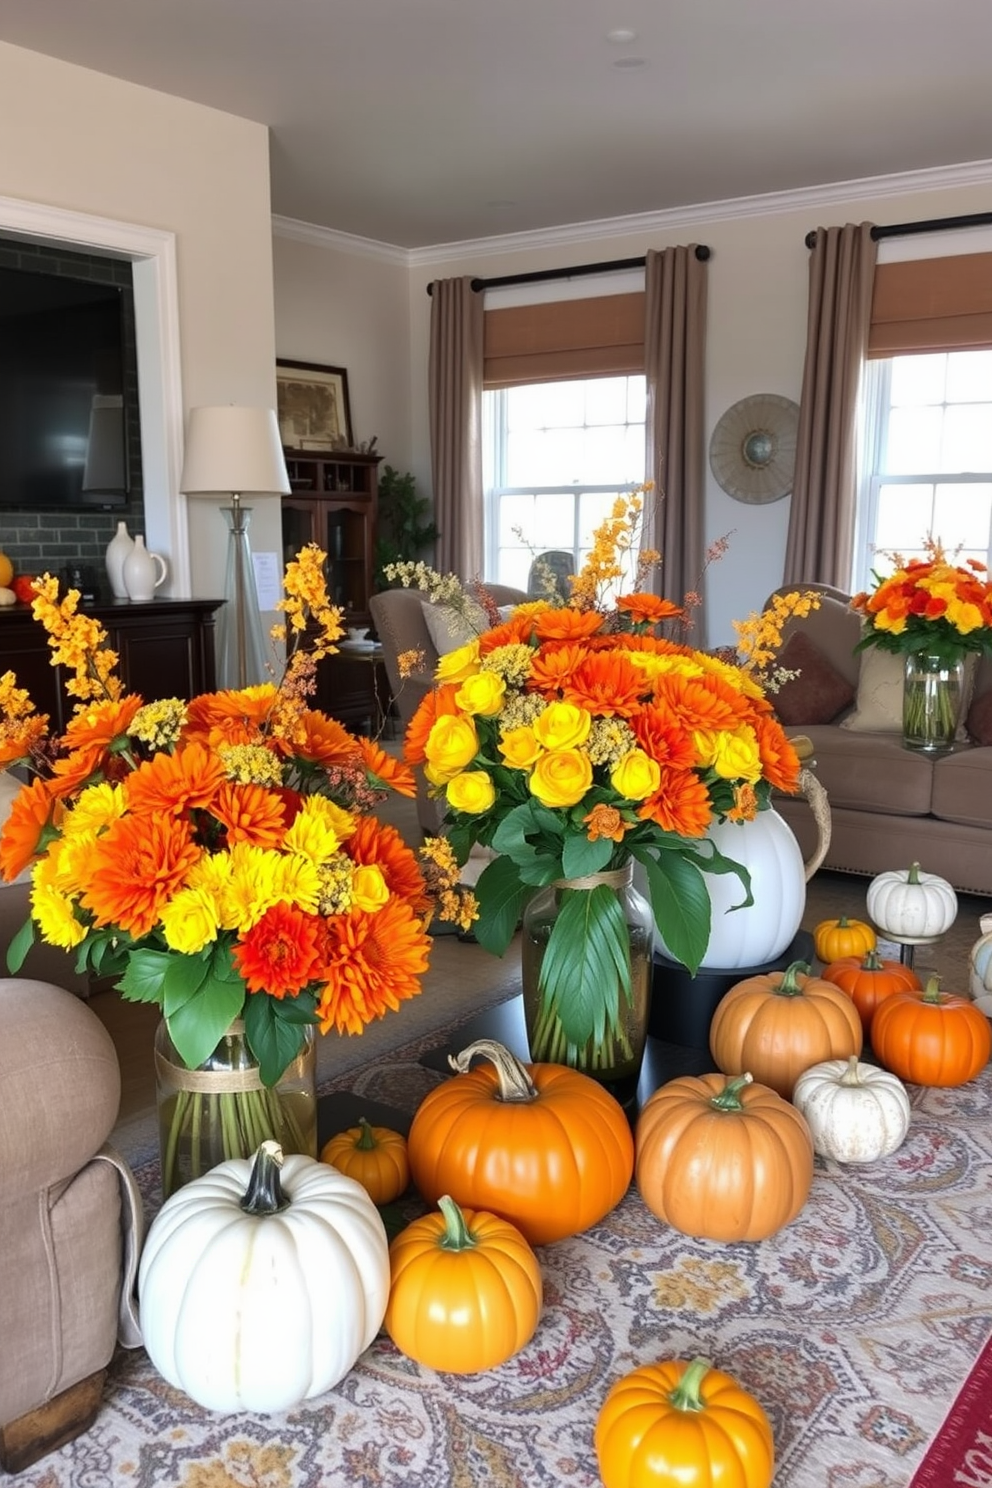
{"x": 602, "y": 336}
{"x": 932, "y": 304}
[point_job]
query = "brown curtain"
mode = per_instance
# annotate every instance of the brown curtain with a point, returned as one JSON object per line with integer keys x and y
{"x": 674, "y": 344}
{"x": 820, "y": 541}
{"x": 455, "y": 395}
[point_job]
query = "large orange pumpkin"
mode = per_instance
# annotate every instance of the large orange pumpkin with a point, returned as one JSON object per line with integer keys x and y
{"x": 869, "y": 981}
{"x": 779, "y": 1023}
{"x": 722, "y": 1159}
{"x": 542, "y": 1145}
{"x": 931, "y": 1037}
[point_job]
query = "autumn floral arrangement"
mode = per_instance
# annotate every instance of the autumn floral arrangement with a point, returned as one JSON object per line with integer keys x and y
{"x": 219, "y": 855}
{"x": 929, "y": 605}
{"x": 572, "y": 739}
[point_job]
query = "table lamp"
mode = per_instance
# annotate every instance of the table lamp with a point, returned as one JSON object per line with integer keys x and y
{"x": 237, "y": 450}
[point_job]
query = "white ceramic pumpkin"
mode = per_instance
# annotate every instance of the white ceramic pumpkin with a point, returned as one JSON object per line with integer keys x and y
{"x": 911, "y": 904}
{"x": 767, "y": 847}
{"x": 248, "y": 1306}
{"x": 856, "y": 1112}
{"x": 980, "y": 965}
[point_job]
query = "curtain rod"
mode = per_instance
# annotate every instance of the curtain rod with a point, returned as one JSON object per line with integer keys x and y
{"x": 540, "y": 275}
{"x": 933, "y": 224}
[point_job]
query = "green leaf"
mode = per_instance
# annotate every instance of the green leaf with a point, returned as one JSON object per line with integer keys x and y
{"x": 586, "y": 964}
{"x": 579, "y": 856}
{"x": 681, "y": 904}
{"x": 274, "y": 1032}
{"x": 183, "y": 978}
{"x": 19, "y": 947}
{"x": 500, "y": 893}
{"x": 144, "y": 979}
{"x": 197, "y": 1025}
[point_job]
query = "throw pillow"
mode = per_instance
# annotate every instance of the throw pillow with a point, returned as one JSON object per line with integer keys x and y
{"x": 878, "y": 707}
{"x": 450, "y": 628}
{"x": 818, "y": 693}
{"x": 980, "y": 719}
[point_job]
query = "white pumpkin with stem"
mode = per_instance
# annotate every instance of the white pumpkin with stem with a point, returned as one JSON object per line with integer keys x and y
{"x": 856, "y": 1112}
{"x": 912, "y": 905}
{"x": 262, "y": 1282}
{"x": 980, "y": 967}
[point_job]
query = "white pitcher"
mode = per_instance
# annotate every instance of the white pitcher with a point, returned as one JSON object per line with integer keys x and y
{"x": 117, "y": 550}
{"x": 140, "y": 568}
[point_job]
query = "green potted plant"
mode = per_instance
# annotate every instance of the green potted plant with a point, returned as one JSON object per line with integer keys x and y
{"x": 406, "y": 527}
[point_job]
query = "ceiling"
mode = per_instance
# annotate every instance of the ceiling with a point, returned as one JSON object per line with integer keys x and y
{"x": 421, "y": 122}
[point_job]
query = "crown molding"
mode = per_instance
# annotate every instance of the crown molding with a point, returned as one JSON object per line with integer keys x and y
{"x": 807, "y": 198}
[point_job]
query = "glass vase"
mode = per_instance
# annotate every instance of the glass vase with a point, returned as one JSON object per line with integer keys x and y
{"x": 932, "y": 699}
{"x": 222, "y": 1109}
{"x": 614, "y": 1057}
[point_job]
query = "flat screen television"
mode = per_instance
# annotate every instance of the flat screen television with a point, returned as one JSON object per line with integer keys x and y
{"x": 62, "y": 425}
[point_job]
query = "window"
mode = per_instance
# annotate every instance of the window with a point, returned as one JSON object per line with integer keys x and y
{"x": 926, "y": 459}
{"x": 556, "y": 454}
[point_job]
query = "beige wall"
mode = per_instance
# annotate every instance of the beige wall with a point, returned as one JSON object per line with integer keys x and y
{"x": 86, "y": 143}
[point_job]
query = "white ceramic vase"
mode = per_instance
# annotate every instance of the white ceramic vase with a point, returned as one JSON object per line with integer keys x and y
{"x": 143, "y": 571}
{"x": 117, "y": 550}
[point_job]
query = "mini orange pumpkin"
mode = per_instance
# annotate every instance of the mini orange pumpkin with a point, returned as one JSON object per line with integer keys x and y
{"x": 722, "y": 1159}
{"x": 869, "y": 981}
{"x": 931, "y": 1037}
{"x": 375, "y": 1156}
{"x": 833, "y": 939}
{"x": 673, "y": 1423}
{"x": 543, "y": 1145}
{"x": 779, "y": 1023}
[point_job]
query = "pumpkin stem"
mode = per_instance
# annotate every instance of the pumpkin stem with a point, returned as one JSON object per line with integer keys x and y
{"x": 686, "y": 1396}
{"x": 872, "y": 961}
{"x": 457, "y": 1235}
{"x": 366, "y": 1136}
{"x": 515, "y": 1084}
{"x": 789, "y": 985}
{"x": 843, "y": 923}
{"x": 933, "y": 993}
{"x": 729, "y": 1098}
{"x": 913, "y": 876}
{"x": 264, "y": 1194}
{"x": 851, "y": 1075}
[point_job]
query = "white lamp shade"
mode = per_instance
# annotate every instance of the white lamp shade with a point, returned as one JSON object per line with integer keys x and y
{"x": 232, "y": 449}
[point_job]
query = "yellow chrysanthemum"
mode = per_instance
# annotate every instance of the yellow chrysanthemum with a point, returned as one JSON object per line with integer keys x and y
{"x": 67, "y": 864}
{"x": 312, "y": 836}
{"x": 55, "y": 918}
{"x": 297, "y": 881}
{"x": 190, "y": 920}
{"x": 255, "y": 884}
{"x": 334, "y": 818}
{"x": 212, "y": 876}
{"x": 97, "y": 807}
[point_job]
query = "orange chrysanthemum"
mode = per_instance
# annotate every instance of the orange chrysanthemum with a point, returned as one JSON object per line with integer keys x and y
{"x": 323, "y": 741}
{"x": 434, "y": 705}
{"x": 371, "y": 964}
{"x": 278, "y": 955}
{"x": 680, "y": 804}
{"x": 19, "y": 739}
{"x": 605, "y": 821}
{"x": 516, "y": 631}
{"x": 779, "y": 761}
{"x": 374, "y": 842}
{"x": 32, "y": 808}
{"x": 701, "y": 703}
{"x": 648, "y": 609}
{"x": 663, "y": 738}
{"x": 389, "y": 770}
{"x": 138, "y": 865}
{"x": 175, "y": 782}
{"x": 567, "y": 624}
{"x": 95, "y": 726}
{"x": 553, "y": 667}
{"x": 607, "y": 685}
{"x": 251, "y": 814}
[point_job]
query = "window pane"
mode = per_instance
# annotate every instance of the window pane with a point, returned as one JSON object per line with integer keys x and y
{"x": 605, "y": 457}
{"x": 606, "y": 400}
{"x": 637, "y": 399}
{"x": 969, "y": 377}
{"x": 918, "y": 379}
{"x": 903, "y": 522}
{"x": 914, "y": 441}
{"x": 552, "y": 523}
{"x": 963, "y": 517}
{"x": 967, "y": 441}
{"x": 514, "y": 512}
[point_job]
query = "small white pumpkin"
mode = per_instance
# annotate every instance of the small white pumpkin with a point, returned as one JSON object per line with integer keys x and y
{"x": 7, "y": 597}
{"x": 262, "y": 1282}
{"x": 856, "y": 1112}
{"x": 980, "y": 962}
{"x": 912, "y": 905}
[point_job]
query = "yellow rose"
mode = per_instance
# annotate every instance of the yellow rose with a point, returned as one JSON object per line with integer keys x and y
{"x": 561, "y": 777}
{"x": 451, "y": 745}
{"x": 190, "y": 921}
{"x": 455, "y": 666}
{"x": 368, "y": 888}
{"x": 563, "y": 726}
{"x": 636, "y": 776}
{"x": 482, "y": 693}
{"x": 471, "y": 791}
{"x": 519, "y": 747}
{"x": 736, "y": 756}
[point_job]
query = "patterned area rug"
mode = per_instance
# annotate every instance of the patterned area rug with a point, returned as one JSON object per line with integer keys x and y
{"x": 855, "y": 1327}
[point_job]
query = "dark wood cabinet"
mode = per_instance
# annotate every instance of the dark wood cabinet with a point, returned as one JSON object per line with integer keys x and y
{"x": 166, "y": 649}
{"x": 334, "y": 503}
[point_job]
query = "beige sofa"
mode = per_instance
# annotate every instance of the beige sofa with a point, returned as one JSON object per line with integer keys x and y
{"x": 890, "y": 806}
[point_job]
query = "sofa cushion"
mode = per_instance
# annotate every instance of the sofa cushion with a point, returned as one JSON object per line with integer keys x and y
{"x": 961, "y": 790}
{"x": 450, "y": 628}
{"x": 979, "y": 723}
{"x": 818, "y": 693}
{"x": 871, "y": 772}
{"x": 878, "y": 705}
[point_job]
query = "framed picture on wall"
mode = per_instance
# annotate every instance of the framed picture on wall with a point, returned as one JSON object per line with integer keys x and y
{"x": 313, "y": 407}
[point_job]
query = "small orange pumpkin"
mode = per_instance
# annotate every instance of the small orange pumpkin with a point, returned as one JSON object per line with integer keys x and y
{"x": 722, "y": 1159}
{"x": 375, "y": 1156}
{"x": 869, "y": 981}
{"x": 779, "y": 1023}
{"x": 833, "y": 939}
{"x": 465, "y": 1291}
{"x": 543, "y": 1145}
{"x": 930, "y": 1037}
{"x": 676, "y": 1423}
